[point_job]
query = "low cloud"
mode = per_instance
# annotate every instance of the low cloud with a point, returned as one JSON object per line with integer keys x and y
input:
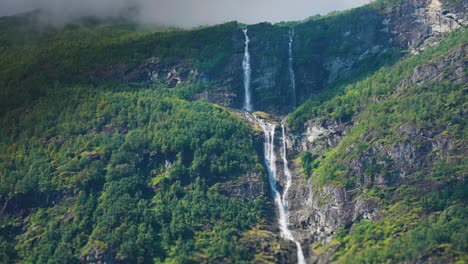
{"x": 181, "y": 13}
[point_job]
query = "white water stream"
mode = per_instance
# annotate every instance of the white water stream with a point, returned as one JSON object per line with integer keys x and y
{"x": 247, "y": 73}
{"x": 280, "y": 200}
{"x": 292, "y": 75}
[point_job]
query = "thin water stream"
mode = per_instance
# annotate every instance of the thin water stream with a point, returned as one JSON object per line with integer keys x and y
{"x": 247, "y": 73}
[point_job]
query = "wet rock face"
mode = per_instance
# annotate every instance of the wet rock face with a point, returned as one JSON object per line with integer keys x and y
{"x": 328, "y": 50}
{"x": 269, "y": 62}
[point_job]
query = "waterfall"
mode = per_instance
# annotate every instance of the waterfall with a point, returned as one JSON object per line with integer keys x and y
{"x": 287, "y": 172}
{"x": 280, "y": 201}
{"x": 292, "y": 76}
{"x": 247, "y": 72}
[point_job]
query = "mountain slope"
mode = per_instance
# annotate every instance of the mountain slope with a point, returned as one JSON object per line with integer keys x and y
{"x": 385, "y": 162}
{"x": 118, "y": 144}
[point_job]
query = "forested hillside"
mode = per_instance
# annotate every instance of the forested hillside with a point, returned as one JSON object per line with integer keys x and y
{"x": 126, "y": 174}
{"x": 94, "y": 168}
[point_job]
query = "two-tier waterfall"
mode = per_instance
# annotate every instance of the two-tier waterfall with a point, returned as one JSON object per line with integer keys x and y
{"x": 269, "y": 129}
{"x": 280, "y": 200}
{"x": 292, "y": 76}
{"x": 247, "y": 73}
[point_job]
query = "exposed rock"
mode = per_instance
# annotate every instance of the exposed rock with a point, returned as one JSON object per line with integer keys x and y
{"x": 449, "y": 67}
{"x": 345, "y": 45}
{"x": 319, "y": 136}
{"x": 248, "y": 187}
{"x": 269, "y": 61}
{"x": 318, "y": 212}
{"x": 417, "y": 24}
{"x": 150, "y": 71}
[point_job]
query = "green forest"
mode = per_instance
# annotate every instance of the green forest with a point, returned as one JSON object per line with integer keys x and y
{"x": 126, "y": 173}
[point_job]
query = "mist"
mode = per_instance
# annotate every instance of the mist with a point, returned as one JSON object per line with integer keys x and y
{"x": 180, "y": 13}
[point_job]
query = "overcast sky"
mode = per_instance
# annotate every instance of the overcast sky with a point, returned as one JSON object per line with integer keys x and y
{"x": 184, "y": 13}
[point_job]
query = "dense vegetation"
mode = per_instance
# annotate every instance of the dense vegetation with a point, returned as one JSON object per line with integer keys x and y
{"x": 423, "y": 214}
{"x": 32, "y": 54}
{"x": 124, "y": 174}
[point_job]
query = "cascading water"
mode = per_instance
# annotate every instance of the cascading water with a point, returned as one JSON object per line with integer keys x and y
{"x": 247, "y": 72}
{"x": 292, "y": 76}
{"x": 281, "y": 203}
{"x": 287, "y": 172}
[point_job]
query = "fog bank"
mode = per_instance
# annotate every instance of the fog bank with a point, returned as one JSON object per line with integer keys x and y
{"x": 180, "y": 13}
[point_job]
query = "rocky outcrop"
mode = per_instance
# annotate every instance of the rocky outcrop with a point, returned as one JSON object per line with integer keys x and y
{"x": 388, "y": 164}
{"x": 319, "y": 136}
{"x": 417, "y": 24}
{"x": 152, "y": 71}
{"x": 450, "y": 67}
{"x": 245, "y": 187}
{"x": 171, "y": 76}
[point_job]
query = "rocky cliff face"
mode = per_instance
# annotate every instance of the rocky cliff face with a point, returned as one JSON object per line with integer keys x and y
{"x": 331, "y": 50}
{"x": 415, "y": 25}
{"x": 269, "y": 59}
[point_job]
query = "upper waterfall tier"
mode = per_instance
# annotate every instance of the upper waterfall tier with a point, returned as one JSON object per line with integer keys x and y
{"x": 292, "y": 75}
{"x": 247, "y": 73}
